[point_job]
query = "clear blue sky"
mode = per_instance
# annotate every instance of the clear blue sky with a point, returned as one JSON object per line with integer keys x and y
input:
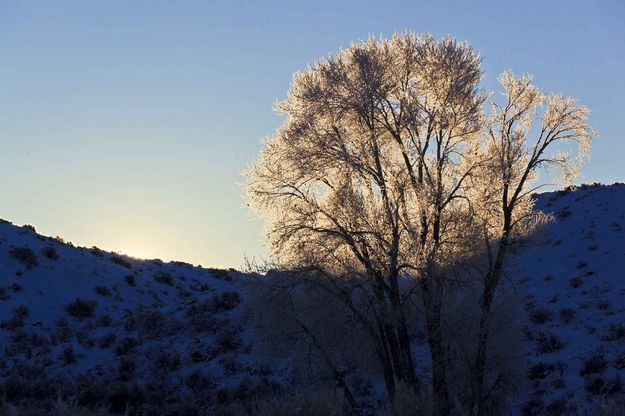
{"x": 125, "y": 124}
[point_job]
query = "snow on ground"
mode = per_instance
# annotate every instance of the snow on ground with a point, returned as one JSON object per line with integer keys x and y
{"x": 179, "y": 324}
{"x": 573, "y": 279}
{"x": 66, "y": 311}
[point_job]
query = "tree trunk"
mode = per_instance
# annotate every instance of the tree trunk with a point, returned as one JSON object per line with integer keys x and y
{"x": 387, "y": 368}
{"x": 433, "y": 316}
{"x": 491, "y": 282}
{"x": 407, "y": 369}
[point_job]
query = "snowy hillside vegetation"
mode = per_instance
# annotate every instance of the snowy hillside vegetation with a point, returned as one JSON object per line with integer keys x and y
{"x": 573, "y": 280}
{"x": 106, "y": 331}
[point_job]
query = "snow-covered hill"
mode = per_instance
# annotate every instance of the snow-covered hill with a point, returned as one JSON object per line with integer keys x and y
{"x": 100, "y": 324}
{"x": 573, "y": 279}
{"x": 103, "y": 326}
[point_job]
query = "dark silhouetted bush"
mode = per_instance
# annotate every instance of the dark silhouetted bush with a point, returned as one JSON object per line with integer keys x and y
{"x": 540, "y": 316}
{"x": 117, "y": 259}
{"x": 595, "y": 364}
{"x": 226, "y": 300}
{"x": 103, "y": 291}
{"x": 130, "y": 279}
{"x": 164, "y": 278}
{"x": 50, "y": 253}
{"x": 614, "y": 332}
{"x": 548, "y": 343}
{"x": 81, "y": 308}
{"x": 24, "y": 255}
{"x": 567, "y": 315}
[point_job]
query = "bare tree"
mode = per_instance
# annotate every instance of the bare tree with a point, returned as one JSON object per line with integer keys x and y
{"x": 528, "y": 132}
{"x": 365, "y": 179}
{"x": 387, "y": 170}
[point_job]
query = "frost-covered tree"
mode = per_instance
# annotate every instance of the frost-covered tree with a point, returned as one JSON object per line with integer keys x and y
{"x": 528, "y": 133}
{"x": 365, "y": 176}
{"x": 388, "y": 171}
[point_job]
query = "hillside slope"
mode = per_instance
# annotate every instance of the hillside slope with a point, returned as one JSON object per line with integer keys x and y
{"x": 573, "y": 279}
{"x": 103, "y": 325}
{"x": 98, "y": 324}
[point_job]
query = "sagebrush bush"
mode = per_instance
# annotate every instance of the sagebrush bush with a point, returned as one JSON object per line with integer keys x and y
{"x": 18, "y": 315}
{"x": 595, "y": 364}
{"x": 614, "y": 332}
{"x": 540, "y": 316}
{"x": 130, "y": 279}
{"x": 324, "y": 403}
{"x": 126, "y": 345}
{"x": 103, "y": 291}
{"x": 50, "y": 252}
{"x": 25, "y": 256}
{"x": 81, "y": 308}
{"x": 164, "y": 278}
{"x": 104, "y": 320}
{"x": 548, "y": 343}
{"x": 227, "y": 300}
{"x": 105, "y": 341}
{"x": 575, "y": 282}
{"x": 567, "y": 315}
{"x": 540, "y": 370}
{"x": 117, "y": 259}
{"x": 68, "y": 356}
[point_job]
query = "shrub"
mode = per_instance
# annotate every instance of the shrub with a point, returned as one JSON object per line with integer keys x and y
{"x": 198, "y": 381}
{"x": 102, "y": 290}
{"x": 221, "y": 274}
{"x": 130, "y": 279}
{"x": 50, "y": 253}
{"x": 149, "y": 322}
{"x": 105, "y": 320}
{"x": 81, "y": 308}
{"x": 68, "y": 356}
{"x": 107, "y": 340}
{"x": 117, "y": 259}
{"x": 614, "y": 332}
{"x": 164, "y": 278}
{"x": 540, "y": 315}
{"x": 540, "y": 371}
{"x": 230, "y": 365}
{"x": 18, "y": 315}
{"x": 63, "y": 331}
{"x": 581, "y": 264}
{"x": 619, "y": 362}
{"x": 564, "y": 212}
{"x": 126, "y": 345}
{"x": 96, "y": 251}
{"x": 575, "y": 282}
{"x": 126, "y": 368}
{"x": 557, "y": 407}
{"x": 548, "y": 343}
{"x": 24, "y": 255}
{"x": 166, "y": 360}
{"x": 594, "y": 385}
{"x": 227, "y": 341}
{"x": 567, "y": 315}
{"x": 595, "y": 364}
{"x": 227, "y": 300}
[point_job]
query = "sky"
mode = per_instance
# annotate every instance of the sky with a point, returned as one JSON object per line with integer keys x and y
{"x": 126, "y": 124}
